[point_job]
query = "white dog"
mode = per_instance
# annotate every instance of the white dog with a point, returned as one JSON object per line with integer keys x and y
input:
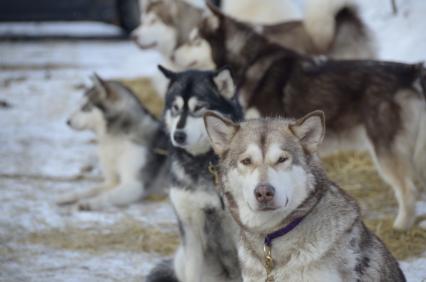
{"x": 126, "y": 134}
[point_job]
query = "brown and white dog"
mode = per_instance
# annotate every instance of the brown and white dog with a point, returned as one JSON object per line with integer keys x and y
{"x": 296, "y": 224}
{"x": 331, "y": 28}
{"x": 369, "y": 105}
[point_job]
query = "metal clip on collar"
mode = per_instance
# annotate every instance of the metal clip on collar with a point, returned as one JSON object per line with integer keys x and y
{"x": 269, "y": 263}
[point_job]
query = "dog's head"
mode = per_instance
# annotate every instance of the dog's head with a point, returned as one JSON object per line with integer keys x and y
{"x": 195, "y": 53}
{"x": 222, "y": 37}
{"x": 268, "y": 165}
{"x": 190, "y": 94}
{"x": 157, "y": 29}
{"x": 107, "y": 105}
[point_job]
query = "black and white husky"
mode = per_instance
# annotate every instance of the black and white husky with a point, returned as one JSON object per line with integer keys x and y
{"x": 127, "y": 136}
{"x": 208, "y": 248}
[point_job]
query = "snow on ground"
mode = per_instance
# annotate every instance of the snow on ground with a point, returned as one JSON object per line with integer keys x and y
{"x": 40, "y": 157}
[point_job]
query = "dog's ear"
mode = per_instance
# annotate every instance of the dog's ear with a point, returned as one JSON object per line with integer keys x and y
{"x": 224, "y": 82}
{"x": 220, "y": 131}
{"x": 100, "y": 86}
{"x": 171, "y": 75}
{"x": 214, "y": 9}
{"x": 211, "y": 17}
{"x": 310, "y": 130}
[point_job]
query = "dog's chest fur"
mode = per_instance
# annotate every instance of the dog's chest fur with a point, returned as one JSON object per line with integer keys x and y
{"x": 203, "y": 221}
{"x": 329, "y": 245}
{"x": 193, "y": 190}
{"x": 121, "y": 154}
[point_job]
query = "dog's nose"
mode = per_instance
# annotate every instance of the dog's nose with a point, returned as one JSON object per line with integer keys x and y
{"x": 180, "y": 137}
{"x": 264, "y": 193}
{"x": 69, "y": 122}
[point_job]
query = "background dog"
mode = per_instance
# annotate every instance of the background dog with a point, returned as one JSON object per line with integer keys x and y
{"x": 369, "y": 105}
{"x": 262, "y": 12}
{"x": 127, "y": 136}
{"x": 331, "y": 28}
{"x": 208, "y": 250}
{"x": 166, "y": 24}
{"x": 272, "y": 178}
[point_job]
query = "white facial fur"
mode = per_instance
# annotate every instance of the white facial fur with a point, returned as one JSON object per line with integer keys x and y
{"x": 87, "y": 120}
{"x": 196, "y": 136}
{"x": 271, "y": 165}
{"x": 153, "y": 33}
{"x": 291, "y": 182}
{"x": 196, "y": 53}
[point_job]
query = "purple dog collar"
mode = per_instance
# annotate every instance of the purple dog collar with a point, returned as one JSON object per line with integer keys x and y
{"x": 281, "y": 232}
{"x": 268, "y": 260}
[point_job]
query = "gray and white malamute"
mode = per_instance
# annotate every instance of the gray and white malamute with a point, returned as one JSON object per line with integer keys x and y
{"x": 369, "y": 105}
{"x": 127, "y": 138}
{"x": 296, "y": 224}
{"x": 208, "y": 234}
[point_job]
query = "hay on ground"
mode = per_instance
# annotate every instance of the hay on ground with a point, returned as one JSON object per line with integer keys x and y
{"x": 356, "y": 173}
{"x": 128, "y": 236}
{"x": 145, "y": 91}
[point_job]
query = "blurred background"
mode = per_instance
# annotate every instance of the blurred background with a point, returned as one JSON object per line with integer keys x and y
{"x": 48, "y": 50}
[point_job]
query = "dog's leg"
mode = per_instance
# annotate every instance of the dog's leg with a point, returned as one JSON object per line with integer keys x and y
{"x": 179, "y": 263}
{"x": 111, "y": 180}
{"x": 73, "y": 197}
{"x": 420, "y": 149}
{"x": 396, "y": 173}
{"x": 194, "y": 258}
{"x": 122, "y": 195}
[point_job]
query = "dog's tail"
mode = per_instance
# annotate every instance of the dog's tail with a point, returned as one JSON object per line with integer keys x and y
{"x": 337, "y": 22}
{"x": 162, "y": 272}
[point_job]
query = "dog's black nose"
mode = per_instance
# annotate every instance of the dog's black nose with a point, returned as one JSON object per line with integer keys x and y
{"x": 180, "y": 137}
{"x": 69, "y": 122}
{"x": 264, "y": 193}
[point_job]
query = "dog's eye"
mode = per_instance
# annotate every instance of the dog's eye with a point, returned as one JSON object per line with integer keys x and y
{"x": 86, "y": 107}
{"x": 282, "y": 159}
{"x": 246, "y": 161}
{"x": 175, "y": 108}
{"x": 198, "y": 108}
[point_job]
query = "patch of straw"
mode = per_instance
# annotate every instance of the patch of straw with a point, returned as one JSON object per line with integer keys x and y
{"x": 402, "y": 244}
{"x": 356, "y": 173}
{"x": 128, "y": 236}
{"x": 145, "y": 91}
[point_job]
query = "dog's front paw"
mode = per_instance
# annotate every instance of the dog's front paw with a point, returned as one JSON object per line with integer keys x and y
{"x": 85, "y": 206}
{"x": 90, "y": 204}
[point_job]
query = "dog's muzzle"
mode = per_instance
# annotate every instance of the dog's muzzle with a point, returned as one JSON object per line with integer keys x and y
{"x": 179, "y": 137}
